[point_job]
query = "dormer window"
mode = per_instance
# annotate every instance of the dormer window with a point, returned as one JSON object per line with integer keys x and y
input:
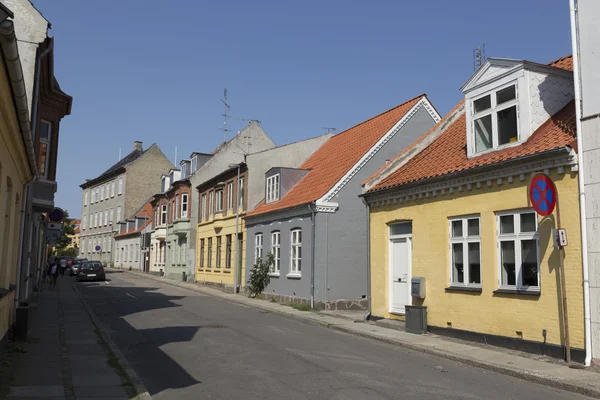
{"x": 495, "y": 119}
{"x": 272, "y": 188}
{"x": 194, "y": 164}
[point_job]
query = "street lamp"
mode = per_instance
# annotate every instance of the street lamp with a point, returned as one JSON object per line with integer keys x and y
{"x": 237, "y": 239}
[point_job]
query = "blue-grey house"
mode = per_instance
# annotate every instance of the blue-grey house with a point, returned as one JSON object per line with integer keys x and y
{"x": 312, "y": 219}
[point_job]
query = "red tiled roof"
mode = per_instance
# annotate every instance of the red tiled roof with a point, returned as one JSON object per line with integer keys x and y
{"x": 145, "y": 211}
{"x": 563, "y": 62}
{"x": 331, "y": 161}
{"x": 447, "y": 154}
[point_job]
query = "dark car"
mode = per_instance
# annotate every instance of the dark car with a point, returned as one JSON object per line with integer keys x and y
{"x": 90, "y": 270}
{"x": 74, "y": 267}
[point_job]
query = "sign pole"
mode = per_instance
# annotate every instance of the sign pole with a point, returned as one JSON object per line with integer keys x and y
{"x": 544, "y": 207}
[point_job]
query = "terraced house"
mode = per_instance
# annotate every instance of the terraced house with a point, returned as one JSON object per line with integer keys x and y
{"x": 457, "y": 214}
{"x": 119, "y": 191}
{"x": 133, "y": 239}
{"x": 311, "y": 218}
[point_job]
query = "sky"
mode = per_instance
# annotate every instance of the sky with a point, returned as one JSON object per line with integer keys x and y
{"x": 155, "y": 71}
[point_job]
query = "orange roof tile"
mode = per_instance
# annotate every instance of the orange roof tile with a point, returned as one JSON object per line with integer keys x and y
{"x": 331, "y": 161}
{"x": 447, "y": 154}
{"x": 145, "y": 211}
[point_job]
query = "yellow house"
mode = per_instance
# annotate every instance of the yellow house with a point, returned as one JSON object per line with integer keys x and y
{"x": 17, "y": 166}
{"x": 219, "y": 254}
{"x": 454, "y": 210}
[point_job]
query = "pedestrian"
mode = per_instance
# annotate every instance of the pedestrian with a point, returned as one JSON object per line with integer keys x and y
{"x": 63, "y": 265}
{"x": 53, "y": 274}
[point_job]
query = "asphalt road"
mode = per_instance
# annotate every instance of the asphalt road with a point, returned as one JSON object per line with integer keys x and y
{"x": 186, "y": 345}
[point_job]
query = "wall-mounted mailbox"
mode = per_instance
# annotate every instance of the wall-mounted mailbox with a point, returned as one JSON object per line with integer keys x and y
{"x": 417, "y": 287}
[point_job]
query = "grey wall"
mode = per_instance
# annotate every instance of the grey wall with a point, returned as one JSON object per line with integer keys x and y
{"x": 283, "y": 222}
{"x": 589, "y": 46}
{"x": 341, "y": 237}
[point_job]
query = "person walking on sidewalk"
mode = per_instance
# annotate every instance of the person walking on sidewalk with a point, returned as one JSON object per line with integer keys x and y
{"x": 53, "y": 274}
{"x": 63, "y": 265}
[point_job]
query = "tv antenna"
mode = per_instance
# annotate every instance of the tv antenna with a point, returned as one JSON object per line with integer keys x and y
{"x": 329, "y": 130}
{"x": 478, "y": 56}
{"x": 227, "y": 108}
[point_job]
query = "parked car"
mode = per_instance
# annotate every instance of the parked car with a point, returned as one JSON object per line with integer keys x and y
{"x": 90, "y": 270}
{"x": 75, "y": 265}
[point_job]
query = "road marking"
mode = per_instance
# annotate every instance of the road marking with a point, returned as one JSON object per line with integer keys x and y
{"x": 106, "y": 282}
{"x": 133, "y": 297}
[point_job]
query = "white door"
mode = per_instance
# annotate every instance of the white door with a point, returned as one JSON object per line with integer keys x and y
{"x": 400, "y": 273}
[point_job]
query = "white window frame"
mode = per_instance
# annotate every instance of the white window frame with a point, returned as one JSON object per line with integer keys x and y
{"x": 97, "y": 195}
{"x": 106, "y": 217}
{"x": 258, "y": 246}
{"x": 272, "y": 188}
{"x": 276, "y": 251}
{"x": 92, "y": 196}
{"x": 241, "y": 192}
{"x": 112, "y": 189}
{"x": 295, "y": 260}
{"x": 493, "y": 111}
{"x": 95, "y": 220}
{"x": 111, "y": 216}
{"x": 194, "y": 164}
{"x": 517, "y": 237}
{"x": 85, "y": 198}
{"x": 219, "y": 201}
{"x": 120, "y": 186}
{"x": 177, "y": 211}
{"x": 203, "y": 206}
{"x": 163, "y": 214}
{"x": 184, "y": 205}
{"x": 230, "y": 201}
{"x": 102, "y": 193}
{"x": 465, "y": 239}
{"x": 211, "y": 203}
{"x": 107, "y": 191}
{"x": 83, "y": 221}
{"x": 119, "y": 214}
{"x": 46, "y": 142}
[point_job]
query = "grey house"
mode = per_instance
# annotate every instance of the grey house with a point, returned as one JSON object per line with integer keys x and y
{"x": 312, "y": 219}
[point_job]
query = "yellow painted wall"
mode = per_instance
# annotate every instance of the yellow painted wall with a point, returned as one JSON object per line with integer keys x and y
{"x": 485, "y": 312}
{"x": 206, "y": 230}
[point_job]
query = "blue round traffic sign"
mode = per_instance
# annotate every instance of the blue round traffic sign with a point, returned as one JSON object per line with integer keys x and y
{"x": 98, "y": 248}
{"x": 542, "y": 194}
{"x": 57, "y": 215}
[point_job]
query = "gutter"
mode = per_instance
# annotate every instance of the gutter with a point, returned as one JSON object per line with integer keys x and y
{"x": 368, "y": 314}
{"x": 581, "y": 177}
{"x": 36, "y": 84}
{"x": 10, "y": 51}
{"x": 312, "y": 257}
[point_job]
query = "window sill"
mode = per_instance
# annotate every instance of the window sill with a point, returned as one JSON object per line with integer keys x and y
{"x": 226, "y": 271}
{"x": 474, "y": 289}
{"x": 526, "y": 292}
{"x": 293, "y": 276}
{"x": 274, "y": 274}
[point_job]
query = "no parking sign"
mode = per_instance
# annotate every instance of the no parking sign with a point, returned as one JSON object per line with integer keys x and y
{"x": 542, "y": 194}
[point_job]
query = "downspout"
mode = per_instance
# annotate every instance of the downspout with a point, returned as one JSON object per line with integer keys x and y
{"x": 581, "y": 176}
{"x": 312, "y": 258}
{"x": 368, "y": 314}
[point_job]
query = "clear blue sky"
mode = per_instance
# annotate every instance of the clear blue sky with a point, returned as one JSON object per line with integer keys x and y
{"x": 155, "y": 70}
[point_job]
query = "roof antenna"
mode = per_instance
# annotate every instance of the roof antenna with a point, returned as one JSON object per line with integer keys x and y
{"x": 227, "y": 108}
{"x": 329, "y": 130}
{"x": 175, "y": 163}
{"x": 478, "y": 56}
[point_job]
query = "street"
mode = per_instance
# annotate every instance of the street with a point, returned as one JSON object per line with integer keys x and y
{"x": 186, "y": 345}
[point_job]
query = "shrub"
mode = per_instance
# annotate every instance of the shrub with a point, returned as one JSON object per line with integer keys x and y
{"x": 259, "y": 275}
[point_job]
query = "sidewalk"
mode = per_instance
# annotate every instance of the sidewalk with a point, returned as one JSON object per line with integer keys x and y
{"x": 547, "y": 373}
{"x": 65, "y": 355}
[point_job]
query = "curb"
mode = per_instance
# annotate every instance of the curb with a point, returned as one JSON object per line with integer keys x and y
{"x": 138, "y": 385}
{"x": 523, "y": 375}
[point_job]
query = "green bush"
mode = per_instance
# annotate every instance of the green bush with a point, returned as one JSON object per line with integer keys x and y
{"x": 259, "y": 275}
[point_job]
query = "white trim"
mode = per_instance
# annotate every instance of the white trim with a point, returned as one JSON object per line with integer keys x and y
{"x": 422, "y": 103}
{"x": 392, "y": 239}
{"x": 326, "y": 207}
{"x": 464, "y": 240}
{"x": 272, "y": 188}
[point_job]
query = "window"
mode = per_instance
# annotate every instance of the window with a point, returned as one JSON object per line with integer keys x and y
{"x": 275, "y": 250}
{"x": 102, "y": 193}
{"x": 184, "y": 205}
{"x": 465, "y": 251}
{"x": 177, "y": 212}
{"x": 117, "y": 255}
{"x": 296, "y": 247}
{"x": 273, "y": 188}
{"x": 137, "y": 252}
{"x": 203, "y": 206}
{"x": 495, "y": 119}
{"x": 194, "y": 164}
{"x": 201, "y": 253}
{"x": 230, "y": 196}
{"x": 182, "y": 249}
{"x": 97, "y": 195}
{"x": 107, "y": 191}
{"x": 163, "y": 214}
{"x": 112, "y": 189}
{"x": 91, "y": 222}
{"x": 228, "y": 251}
{"x": 241, "y": 192}
{"x": 119, "y": 214}
{"x": 89, "y": 245}
{"x": 211, "y": 203}
{"x": 44, "y": 147}
{"x": 173, "y": 208}
{"x": 121, "y": 185}
{"x": 85, "y": 198}
{"x": 103, "y": 245}
{"x": 218, "y": 262}
{"x": 209, "y": 252}
{"x": 83, "y": 220}
{"x": 258, "y": 246}
{"x": 219, "y": 201}
{"x": 111, "y": 215}
{"x": 518, "y": 249}
{"x": 95, "y": 220}
{"x": 106, "y": 217}
{"x": 92, "y": 197}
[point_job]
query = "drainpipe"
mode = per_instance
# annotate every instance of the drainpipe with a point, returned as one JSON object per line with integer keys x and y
{"x": 368, "y": 314}
{"x": 581, "y": 176}
{"x": 26, "y": 192}
{"x": 312, "y": 258}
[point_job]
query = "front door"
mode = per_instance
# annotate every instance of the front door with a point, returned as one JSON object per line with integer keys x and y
{"x": 400, "y": 273}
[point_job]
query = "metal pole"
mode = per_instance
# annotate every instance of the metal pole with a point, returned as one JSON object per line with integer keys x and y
{"x": 563, "y": 286}
{"x": 237, "y": 239}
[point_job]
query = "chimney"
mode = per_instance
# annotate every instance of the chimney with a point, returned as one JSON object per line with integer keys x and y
{"x": 138, "y": 146}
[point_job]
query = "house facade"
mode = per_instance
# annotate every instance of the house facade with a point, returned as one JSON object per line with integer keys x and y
{"x": 116, "y": 193}
{"x": 132, "y": 239}
{"x": 312, "y": 219}
{"x": 179, "y": 198}
{"x": 457, "y": 214}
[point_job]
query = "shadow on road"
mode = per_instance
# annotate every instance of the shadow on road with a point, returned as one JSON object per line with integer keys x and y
{"x": 120, "y": 307}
